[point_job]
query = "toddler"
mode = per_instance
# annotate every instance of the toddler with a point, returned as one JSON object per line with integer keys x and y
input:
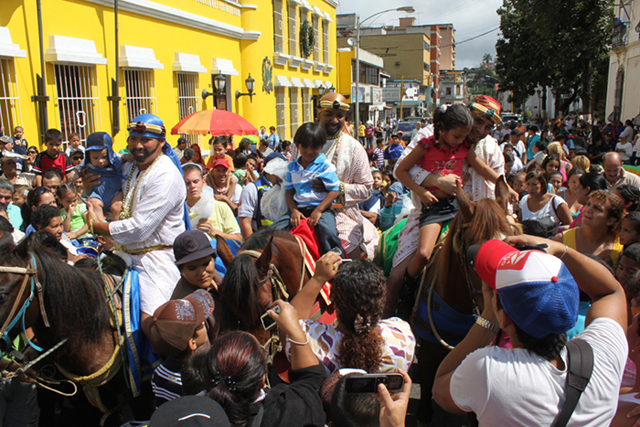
{"x": 74, "y": 144}
{"x": 101, "y": 160}
{"x": 630, "y": 229}
{"x": 74, "y": 214}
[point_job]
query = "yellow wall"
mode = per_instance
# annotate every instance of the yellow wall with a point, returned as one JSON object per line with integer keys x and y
{"x": 92, "y": 21}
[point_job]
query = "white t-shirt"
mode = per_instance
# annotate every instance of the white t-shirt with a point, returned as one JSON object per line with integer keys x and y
{"x": 546, "y": 211}
{"x": 507, "y": 387}
{"x": 628, "y": 150}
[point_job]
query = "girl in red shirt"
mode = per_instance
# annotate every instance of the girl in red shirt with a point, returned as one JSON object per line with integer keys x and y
{"x": 442, "y": 155}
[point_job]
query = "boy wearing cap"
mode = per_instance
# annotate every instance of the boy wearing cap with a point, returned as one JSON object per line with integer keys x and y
{"x": 177, "y": 330}
{"x": 394, "y": 150}
{"x": 533, "y": 296}
{"x": 225, "y": 189}
{"x": 102, "y": 161}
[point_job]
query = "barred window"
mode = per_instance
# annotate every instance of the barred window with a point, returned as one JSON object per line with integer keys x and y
{"x": 316, "y": 33}
{"x": 280, "y": 111}
{"x": 306, "y": 105}
{"x": 78, "y": 101}
{"x": 325, "y": 42}
{"x": 295, "y": 115}
{"x": 10, "y": 112}
{"x": 140, "y": 93}
{"x": 293, "y": 30}
{"x": 188, "y": 99}
{"x": 278, "y": 39}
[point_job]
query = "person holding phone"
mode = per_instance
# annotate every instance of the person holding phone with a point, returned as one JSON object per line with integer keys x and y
{"x": 233, "y": 373}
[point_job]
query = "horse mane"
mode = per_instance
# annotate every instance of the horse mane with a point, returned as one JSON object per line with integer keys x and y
{"x": 488, "y": 220}
{"x": 239, "y": 290}
{"x": 74, "y": 299}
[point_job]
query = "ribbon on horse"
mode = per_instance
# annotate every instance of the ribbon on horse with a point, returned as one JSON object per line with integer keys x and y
{"x": 310, "y": 261}
{"x": 141, "y": 359}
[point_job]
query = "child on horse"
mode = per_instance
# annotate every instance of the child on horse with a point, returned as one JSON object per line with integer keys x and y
{"x": 442, "y": 155}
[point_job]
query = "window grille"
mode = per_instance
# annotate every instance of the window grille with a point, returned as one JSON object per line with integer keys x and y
{"x": 78, "y": 107}
{"x": 293, "y": 30}
{"x": 295, "y": 115}
{"x": 325, "y": 42}
{"x": 10, "y": 112}
{"x": 188, "y": 101}
{"x": 140, "y": 93}
{"x": 280, "y": 110}
{"x": 306, "y": 105}
{"x": 278, "y": 39}
{"x": 316, "y": 33}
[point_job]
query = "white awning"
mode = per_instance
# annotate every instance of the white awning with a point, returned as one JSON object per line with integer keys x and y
{"x": 327, "y": 17}
{"x": 306, "y": 5}
{"x": 7, "y": 48}
{"x": 71, "y": 50}
{"x": 223, "y": 66}
{"x": 296, "y": 82}
{"x": 139, "y": 57}
{"x": 320, "y": 83}
{"x": 188, "y": 63}
{"x": 327, "y": 84}
{"x": 317, "y": 11}
{"x": 281, "y": 81}
{"x": 308, "y": 83}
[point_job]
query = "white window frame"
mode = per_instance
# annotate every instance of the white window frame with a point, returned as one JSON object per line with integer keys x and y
{"x": 10, "y": 111}
{"x": 306, "y": 105}
{"x": 295, "y": 110}
{"x": 76, "y": 102}
{"x": 140, "y": 92}
{"x": 281, "y": 107}
{"x": 188, "y": 99}
{"x": 278, "y": 31}
{"x": 325, "y": 42}
{"x": 294, "y": 30}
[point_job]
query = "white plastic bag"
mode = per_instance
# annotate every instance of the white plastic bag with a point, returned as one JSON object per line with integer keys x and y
{"x": 407, "y": 208}
{"x": 274, "y": 203}
{"x": 203, "y": 208}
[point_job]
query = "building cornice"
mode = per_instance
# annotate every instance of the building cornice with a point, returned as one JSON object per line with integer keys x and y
{"x": 171, "y": 14}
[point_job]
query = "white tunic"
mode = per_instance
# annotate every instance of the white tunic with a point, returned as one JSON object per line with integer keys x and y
{"x": 156, "y": 220}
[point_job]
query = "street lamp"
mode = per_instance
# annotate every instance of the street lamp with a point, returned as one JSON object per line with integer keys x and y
{"x": 250, "y": 82}
{"x": 219, "y": 83}
{"x": 538, "y": 92}
{"x": 408, "y": 9}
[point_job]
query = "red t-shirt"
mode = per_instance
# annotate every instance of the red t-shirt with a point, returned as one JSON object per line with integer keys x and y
{"x": 43, "y": 163}
{"x": 441, "y": 159}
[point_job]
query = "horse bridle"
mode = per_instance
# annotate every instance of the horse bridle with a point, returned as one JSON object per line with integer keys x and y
{"x": 29, "y": 272}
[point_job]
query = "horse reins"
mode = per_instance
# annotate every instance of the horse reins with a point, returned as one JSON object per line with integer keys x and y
{"x": 30, "y": 271}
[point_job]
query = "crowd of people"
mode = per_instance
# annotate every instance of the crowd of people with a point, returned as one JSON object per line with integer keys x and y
{"x": 163, "y": 208}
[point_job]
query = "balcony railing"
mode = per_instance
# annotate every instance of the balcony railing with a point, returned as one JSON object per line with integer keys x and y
{"x": 619, "y": 36}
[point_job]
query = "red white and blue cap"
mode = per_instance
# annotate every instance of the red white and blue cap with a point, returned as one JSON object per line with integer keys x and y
{"x": 536, "y": 290}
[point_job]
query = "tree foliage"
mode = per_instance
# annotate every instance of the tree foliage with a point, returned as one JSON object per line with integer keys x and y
{"x": 551, "y": 43}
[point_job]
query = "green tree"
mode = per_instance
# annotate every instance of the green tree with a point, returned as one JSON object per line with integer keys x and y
{"x": 552, "y": 43}
{"x": 487, "y": 58}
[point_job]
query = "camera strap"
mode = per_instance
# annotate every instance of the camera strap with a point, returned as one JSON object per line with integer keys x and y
{"x": 579, "y": 370}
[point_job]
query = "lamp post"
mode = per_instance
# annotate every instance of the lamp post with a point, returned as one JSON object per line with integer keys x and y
{"x": 250, "y": 83}
{"x": 408, "y": 9}
{"x": 538, "y": 92}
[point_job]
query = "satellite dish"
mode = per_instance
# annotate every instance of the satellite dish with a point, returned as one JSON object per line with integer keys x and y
{"x": 351, "y": 41}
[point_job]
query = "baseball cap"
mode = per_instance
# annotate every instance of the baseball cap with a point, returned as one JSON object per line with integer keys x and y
{"x": 220, "y": 162}
{"x": 536, "y": 290}
{"x": 175, "y": 322}
{"x": 190, "y": 246}
{"x": 76, "y": 151}
{"x": 6, "y": 139}
{"x": 624, "y": 134}
{"x": 190, "y": 411}
{"x": 608, "y": 132}
{"x": 99, "y": 141}
{"x": 272, "y": 156}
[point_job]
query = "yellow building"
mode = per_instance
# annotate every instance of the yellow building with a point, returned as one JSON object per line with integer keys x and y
{"x": 166, "y": 53}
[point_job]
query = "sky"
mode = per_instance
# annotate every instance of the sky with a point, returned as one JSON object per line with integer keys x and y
{"x": 470, "y": 18}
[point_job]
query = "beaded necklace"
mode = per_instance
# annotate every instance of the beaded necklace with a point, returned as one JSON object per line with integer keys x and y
{"x": 127, "y": 207}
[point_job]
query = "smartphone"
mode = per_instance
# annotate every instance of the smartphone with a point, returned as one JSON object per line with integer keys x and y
{"x": 368, "y": 383}
{"x": 267, "y": 321}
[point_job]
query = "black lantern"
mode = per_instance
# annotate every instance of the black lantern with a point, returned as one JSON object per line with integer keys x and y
{"x": 250, "y": 83}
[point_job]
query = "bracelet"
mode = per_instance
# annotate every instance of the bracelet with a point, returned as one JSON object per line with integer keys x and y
{"x": 493, "y": 327}
{"x": 91, "y": 221}
{"x": 298, "y": 343}
{"x": 565, "y": 252}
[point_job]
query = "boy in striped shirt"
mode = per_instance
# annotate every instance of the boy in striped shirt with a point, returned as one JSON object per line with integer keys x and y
{"x": 302, "y": 199}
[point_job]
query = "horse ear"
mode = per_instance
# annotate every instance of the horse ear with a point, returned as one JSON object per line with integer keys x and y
{"x": 264, "y": 262}
{"x": 22, "y": 250}
{"x": 502, "y": 192}
{"x": 223, "y": 251}
{"x": 466, "y": 206}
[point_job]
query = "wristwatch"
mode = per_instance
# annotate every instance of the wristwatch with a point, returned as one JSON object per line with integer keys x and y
{"x": 487, "y": 324}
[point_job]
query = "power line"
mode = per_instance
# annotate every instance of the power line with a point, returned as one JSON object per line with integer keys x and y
{"x": 472, "y": 38}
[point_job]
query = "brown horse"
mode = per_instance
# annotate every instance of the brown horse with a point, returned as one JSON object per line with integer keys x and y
{"x": 457, "y": 289}
{"x": 269, "y": 265}
{"x": 68, "y": 306}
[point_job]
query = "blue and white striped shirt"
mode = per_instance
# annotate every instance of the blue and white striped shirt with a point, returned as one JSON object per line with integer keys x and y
{"x": 299, "y": 179}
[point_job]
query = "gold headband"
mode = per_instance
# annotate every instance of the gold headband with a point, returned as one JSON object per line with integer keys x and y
{"x": 140, "y": 127}
{"x": 336, "y": 105}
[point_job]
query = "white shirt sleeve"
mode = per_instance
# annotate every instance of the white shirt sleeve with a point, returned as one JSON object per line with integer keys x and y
{"x": 248, "y": 201}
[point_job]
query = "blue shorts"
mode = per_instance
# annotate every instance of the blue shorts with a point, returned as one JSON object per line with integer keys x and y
{"x": 107, "y": 189}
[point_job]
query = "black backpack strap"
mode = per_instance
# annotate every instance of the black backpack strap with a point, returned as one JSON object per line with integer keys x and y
{"x": 257, "y": 419}
{"x": 579, "y": 370}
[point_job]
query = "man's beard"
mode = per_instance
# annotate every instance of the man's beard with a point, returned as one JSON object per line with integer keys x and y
{"x": 332, "y": 134}
{"x": 142, "y": 155}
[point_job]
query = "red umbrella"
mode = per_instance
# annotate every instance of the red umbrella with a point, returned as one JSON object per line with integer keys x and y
{"x": 214, "y": 122}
